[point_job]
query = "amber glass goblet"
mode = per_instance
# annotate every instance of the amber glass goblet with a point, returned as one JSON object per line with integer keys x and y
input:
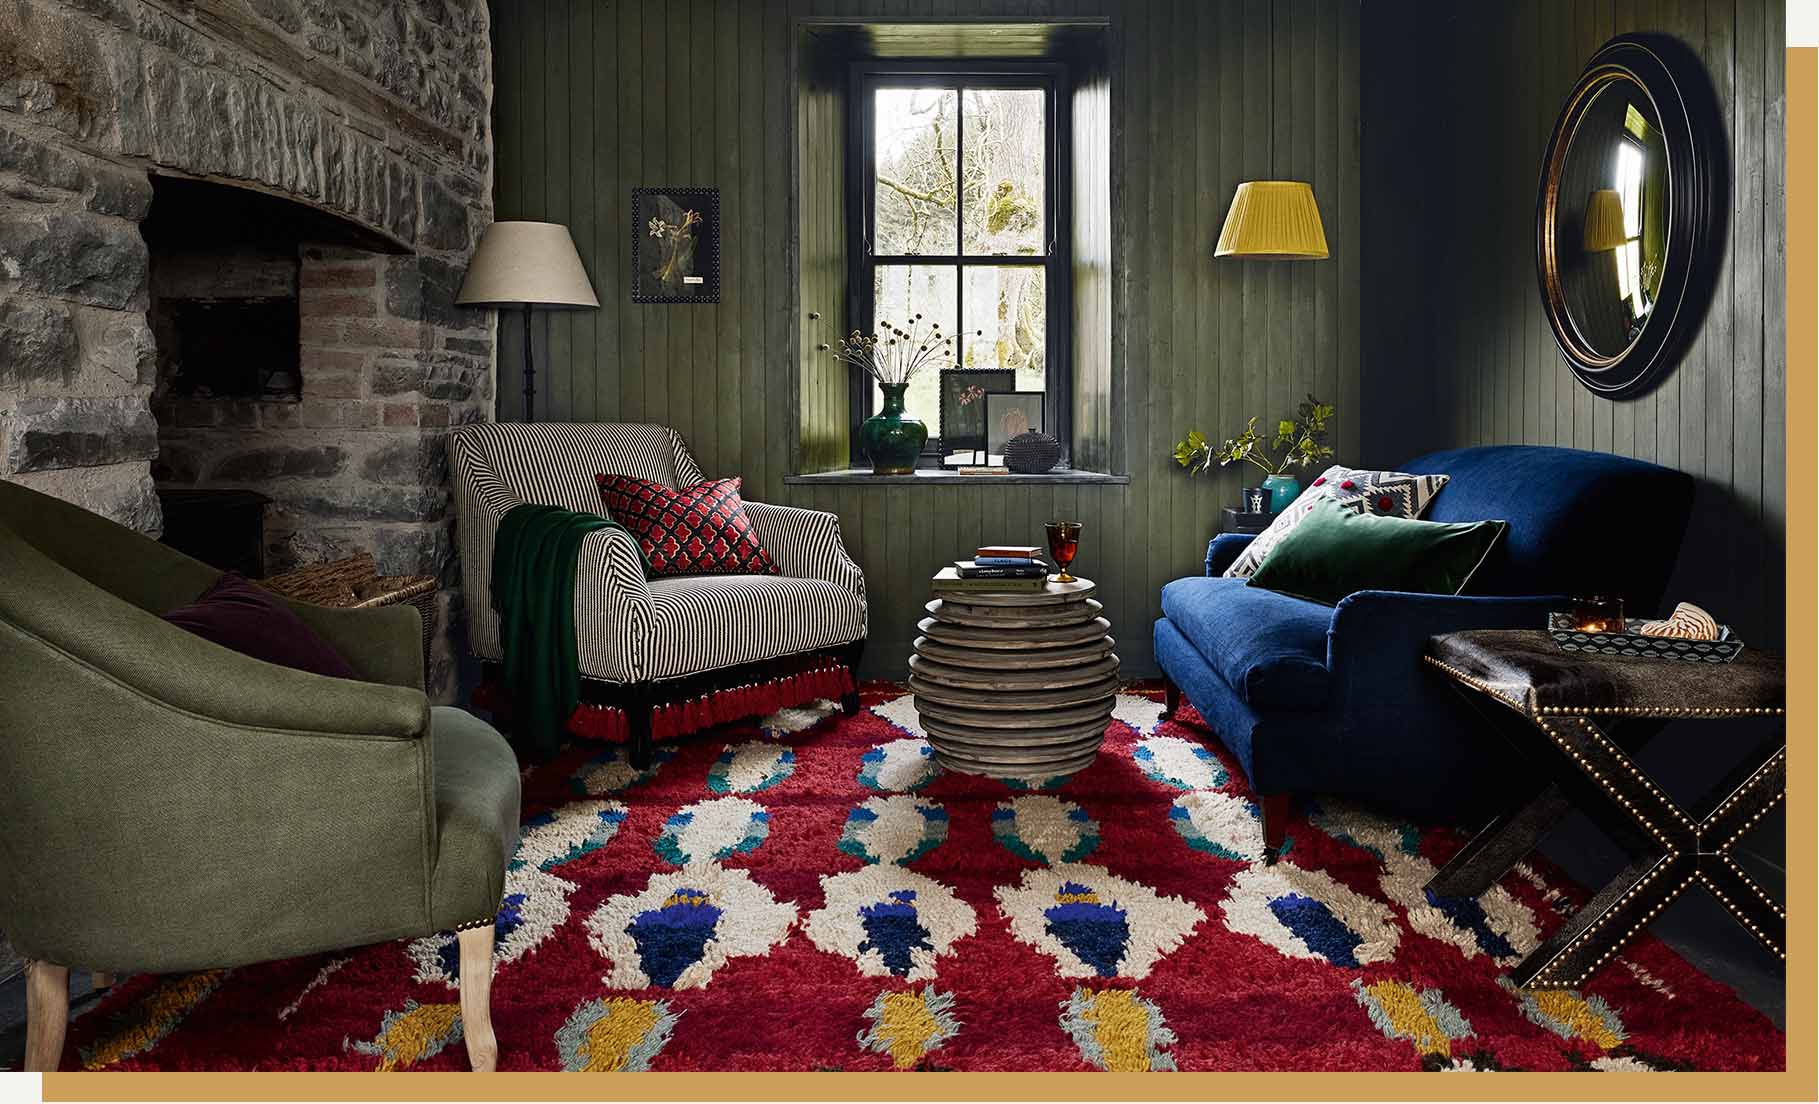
{"x": 1063, "y": 542}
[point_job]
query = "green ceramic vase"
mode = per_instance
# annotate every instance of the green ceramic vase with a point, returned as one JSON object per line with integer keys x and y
{"x": 1283, "y": 489}
{"x": 889, "y": 439}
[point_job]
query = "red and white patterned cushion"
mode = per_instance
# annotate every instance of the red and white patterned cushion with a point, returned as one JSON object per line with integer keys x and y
{"x": 697, "y": 530}
{"x": 1360, "y": 490}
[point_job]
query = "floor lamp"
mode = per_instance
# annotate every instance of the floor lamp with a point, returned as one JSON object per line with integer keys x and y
{"x": 527, "y": 265}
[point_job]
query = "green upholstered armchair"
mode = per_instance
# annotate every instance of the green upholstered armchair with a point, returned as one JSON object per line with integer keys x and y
{"x": 172, "y": 805}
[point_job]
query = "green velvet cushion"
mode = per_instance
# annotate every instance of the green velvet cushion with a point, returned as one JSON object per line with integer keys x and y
{"x": 1335, "y": 552}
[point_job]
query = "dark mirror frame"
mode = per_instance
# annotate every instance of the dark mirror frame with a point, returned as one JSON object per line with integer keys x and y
{"x": 1676, "y": 84}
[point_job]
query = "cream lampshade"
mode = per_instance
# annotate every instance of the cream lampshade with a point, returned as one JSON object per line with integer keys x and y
{"x": 1604, "y": 222}
{"x": 1273, "y": 220}
{"x": 527, "y": 265}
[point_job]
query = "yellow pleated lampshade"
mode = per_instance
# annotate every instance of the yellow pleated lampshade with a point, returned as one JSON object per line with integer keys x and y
{"x": 1273, "y": 220}
{"x": 1604, "y": 221}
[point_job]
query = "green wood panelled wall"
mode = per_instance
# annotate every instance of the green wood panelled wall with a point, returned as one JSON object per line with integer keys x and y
{"x": 1457, "y": 114}
{"x": 595, "y": 97}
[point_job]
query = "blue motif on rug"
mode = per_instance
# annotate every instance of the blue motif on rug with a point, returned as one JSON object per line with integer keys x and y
{"x": 1095, "y": 932}
{"x": 673, "y": 938}
{"x": 606, "y": 822}
{"x": 511, "y": 914}
{"x": 1469, "y": 914}
{"x": 893, "y": 929}
{"x": 1315, "y": 925}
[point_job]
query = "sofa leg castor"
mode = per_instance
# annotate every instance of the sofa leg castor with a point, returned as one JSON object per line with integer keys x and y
{"x": 476, "y": 946}
{"x": 1171, "y": 698}
{"x": 1275, "y": 825}
{"x": 46, "y": 1015}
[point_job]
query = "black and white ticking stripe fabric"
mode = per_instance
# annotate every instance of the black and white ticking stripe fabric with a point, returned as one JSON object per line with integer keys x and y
{"x": 703, "y": 622}
{"x": 806, "y": 544}
{"x": 628, "y": 629}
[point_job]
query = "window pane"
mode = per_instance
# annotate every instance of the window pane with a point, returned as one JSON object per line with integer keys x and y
{"x": 1009, "y": 304}
{"x": 1005, "y": 140}
{"x": 900, "y": 292}
{"x": 916, "y": 131}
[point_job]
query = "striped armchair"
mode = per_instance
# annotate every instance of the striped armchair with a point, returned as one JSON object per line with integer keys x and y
{"x": 661, "y": 657}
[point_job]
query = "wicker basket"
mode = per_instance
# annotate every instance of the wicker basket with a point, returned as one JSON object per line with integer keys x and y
{"x": 355, "y": 583}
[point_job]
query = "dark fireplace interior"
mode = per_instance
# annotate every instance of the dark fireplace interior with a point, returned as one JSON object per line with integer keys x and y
{"x": 224, "y": 276}
{"x": 228, "y": 304}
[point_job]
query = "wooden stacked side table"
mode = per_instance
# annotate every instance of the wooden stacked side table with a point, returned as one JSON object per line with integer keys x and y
{"x": 1579, "y": 719}
{"x": 1016, "y": 685}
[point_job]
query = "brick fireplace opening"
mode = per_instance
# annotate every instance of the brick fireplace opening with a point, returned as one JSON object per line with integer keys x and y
{"x": 237, "y": 277}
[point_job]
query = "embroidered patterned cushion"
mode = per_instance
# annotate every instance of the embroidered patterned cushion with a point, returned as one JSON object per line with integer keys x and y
{"x": 698, "y": 530}
{"x": 1360, "y": 490}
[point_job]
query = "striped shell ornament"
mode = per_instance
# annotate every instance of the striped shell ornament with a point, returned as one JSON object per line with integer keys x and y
{"x": 1688, "y": 622}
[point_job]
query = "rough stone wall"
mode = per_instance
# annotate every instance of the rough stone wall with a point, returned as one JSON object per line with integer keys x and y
{"x": 375, "y": 111}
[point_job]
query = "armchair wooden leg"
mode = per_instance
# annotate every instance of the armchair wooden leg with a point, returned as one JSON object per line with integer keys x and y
{"x": 637, "y": 707}
{"x": 1171, "y": 698}
{"x": 101, "y": 979}
{"x": 46, "y": 1015}
{"x": 1274, "y": 808}
{"x": 849, "y": 704}
{"x": 476, "y": 945}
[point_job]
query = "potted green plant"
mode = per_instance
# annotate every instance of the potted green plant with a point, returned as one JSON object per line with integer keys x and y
{"x": 1299, "y": 441}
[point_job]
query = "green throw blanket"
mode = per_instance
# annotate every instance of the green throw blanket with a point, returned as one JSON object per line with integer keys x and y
{"x": 534, "y": 556}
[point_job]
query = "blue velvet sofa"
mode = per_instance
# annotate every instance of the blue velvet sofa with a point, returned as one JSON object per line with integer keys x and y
{"x": 1335, "y": 699}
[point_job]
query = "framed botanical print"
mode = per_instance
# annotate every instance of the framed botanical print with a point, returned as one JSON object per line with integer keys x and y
{"x": 1010, "y": 414}
{"x": 962, "y": 429}
{"x": 675, "y": 245}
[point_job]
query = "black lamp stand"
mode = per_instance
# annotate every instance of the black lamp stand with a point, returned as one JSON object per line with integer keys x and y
{"x": 530, "y": 370}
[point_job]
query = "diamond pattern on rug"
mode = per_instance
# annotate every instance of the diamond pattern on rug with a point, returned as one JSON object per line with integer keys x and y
{"x": 775, "y": 896}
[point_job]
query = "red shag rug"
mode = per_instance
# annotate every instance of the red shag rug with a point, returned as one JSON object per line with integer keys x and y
{"x": 813, "y": 893}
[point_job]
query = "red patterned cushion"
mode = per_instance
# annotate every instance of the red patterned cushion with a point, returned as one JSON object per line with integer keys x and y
{"x": 698, "y": 530}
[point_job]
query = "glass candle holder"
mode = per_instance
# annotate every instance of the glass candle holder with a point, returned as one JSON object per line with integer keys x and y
{"x": 1599, "y": 613}
{"x": 1063, "y": 542}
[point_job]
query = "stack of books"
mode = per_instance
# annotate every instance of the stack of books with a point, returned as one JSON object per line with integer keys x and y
{"x": 1000, "y": 567}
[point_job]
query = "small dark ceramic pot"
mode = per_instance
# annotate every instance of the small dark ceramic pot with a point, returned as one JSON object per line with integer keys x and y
{"x": 1031, "y": 453}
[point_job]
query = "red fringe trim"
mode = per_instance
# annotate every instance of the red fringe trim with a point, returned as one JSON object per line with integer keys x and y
{"x": 607, "y": 723}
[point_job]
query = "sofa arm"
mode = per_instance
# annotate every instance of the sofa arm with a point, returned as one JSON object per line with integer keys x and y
{"x": 1378, "y": 637}
{"x": 806, "y": 544}
{"x": 383, "y": 645}
{"x": 166, "y": 839}
{"x": 612, "y": 607}
{"x": 1224, "y": 549}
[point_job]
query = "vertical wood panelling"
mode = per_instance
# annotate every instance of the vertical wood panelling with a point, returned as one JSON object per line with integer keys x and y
{"x": 1197, "y": 98}
{"x": 1496, "y": 376}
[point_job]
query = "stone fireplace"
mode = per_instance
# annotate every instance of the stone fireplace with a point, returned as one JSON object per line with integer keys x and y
{"x": 231, "y": 232}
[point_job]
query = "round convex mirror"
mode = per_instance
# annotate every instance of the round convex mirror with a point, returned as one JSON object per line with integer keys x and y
{"x": 1626, "y": 222}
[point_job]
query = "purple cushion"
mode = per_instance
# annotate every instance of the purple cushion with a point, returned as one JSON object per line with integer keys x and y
{"x": 251, "y": 620}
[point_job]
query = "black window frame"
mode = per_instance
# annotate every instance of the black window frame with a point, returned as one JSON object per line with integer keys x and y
{"x": 963, "y": 74}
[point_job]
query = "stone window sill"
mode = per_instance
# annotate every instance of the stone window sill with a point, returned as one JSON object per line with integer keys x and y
{"x": 932, "y": 477}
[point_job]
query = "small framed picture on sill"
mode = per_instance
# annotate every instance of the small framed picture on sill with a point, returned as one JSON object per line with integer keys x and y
{"x": 675, "y": 245}
{"x": 1010, "y": 414}
{"x": 962, "y": 429}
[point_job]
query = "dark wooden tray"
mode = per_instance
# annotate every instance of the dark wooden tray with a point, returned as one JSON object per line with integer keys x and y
{"x": 1722, "y": 650}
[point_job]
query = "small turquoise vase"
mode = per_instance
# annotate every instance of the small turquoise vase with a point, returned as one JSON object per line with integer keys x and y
{"x": 891, "y": 441}
{"x": 1282, "y": 489}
